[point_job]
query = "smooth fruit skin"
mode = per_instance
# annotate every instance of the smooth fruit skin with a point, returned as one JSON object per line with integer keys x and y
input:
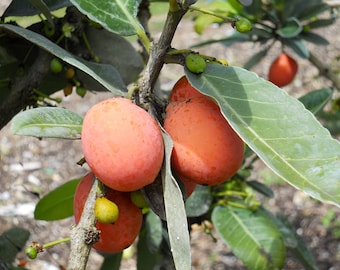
{"x": 206, "y": 149}
{"x": 105, "y": 210}
{"x": 119, "y": 235}
{"x": 182, "y": 90}
{"x": 122, "y": 144}
{"x": 195, "y": 63}
{"x": 283, "y": 70}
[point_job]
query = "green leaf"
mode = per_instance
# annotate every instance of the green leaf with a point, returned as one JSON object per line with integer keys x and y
{"x": 11, "y": 242}
{"x": 153, "y": 231}
{"x": 117, "y": 16}
{"x": 112, "y": 261}
{"x": 106, "y": 75}
{"x": 321, "y": 23}
{"x": 262, "y": 188}
{"x": 316, "y": 100}
{"x": 24, "y": 8}
{"x": 175, "y": 213}
{"x": 146, "y": 259}
{"x": 252, "y": 237}
{"x": 312, "y": 10}
{"x": 294, "y": 242}
{"x": 41, "y": 6}
{"x": 314, "y": 38}
{"x": 48, "y": 122}
{"x": 297, "y": 45}
{"x": 256, "y": 58}
{"x": 227, "y": 8}
{"x": 58, "y": 204}
{"x": 290, "y": 29}
{"x": 286, "y": 136}
{"x": 199, "y": 201}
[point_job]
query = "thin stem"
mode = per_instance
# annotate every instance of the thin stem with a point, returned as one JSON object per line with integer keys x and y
{"x": 57, "y": 242}
{"x": 204, "y": 11}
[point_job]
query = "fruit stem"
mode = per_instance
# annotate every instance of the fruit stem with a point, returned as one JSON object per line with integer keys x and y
{"x": 89, "y": 48}
{"x": 57, "y": 242}
{"x": 208, "y": 12}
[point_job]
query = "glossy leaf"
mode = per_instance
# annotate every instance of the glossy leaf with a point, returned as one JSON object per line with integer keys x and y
{"x": 146, "y": 259}
{"x": 117, "y": 16}
{"x": 314, "y": 38}
{"x": 321, "y": 23}
{"x": 175, "y": 213}
{"x": 255, "y": 59}
{"x": 41, "y": 6}
{"x": 298, "y": 46}
{"x": 24, "y": 8}
{"x": 312, "y": 10}
{"x": 154, "y": 234}
{"x": 316, "y": 100}
{"x": 290, "y": 29}
{"x": 276, "y": 126}
{"x": 227, "y": 8}
{"x": 252, "y": 237}
{"x": 48, "y": 122}
{"x": 199, "y": 201}
{"x": 58, "y": 204}
{"x": 106, "y": 75}
{"x": 11, "y": 242}
{"x": 261, "y": 188}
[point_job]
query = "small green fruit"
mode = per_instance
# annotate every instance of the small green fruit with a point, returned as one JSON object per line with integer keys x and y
{"x": 81, "y": 91}
{"x": 105, "y": 210}
{"x": 243, "y": 25}
{"x": 31, "y": 252}
{"x": 195, "y": 63}
{"x": 138, "y": 199}
{"x": 56, "y": 66}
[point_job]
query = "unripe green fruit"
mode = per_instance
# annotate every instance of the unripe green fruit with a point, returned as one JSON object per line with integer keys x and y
{"x": 138, "y": 199}
{"x": 81, "y": 91}
{"x": 106, "y": 211}
{"x": 56, "y": 66}
{"x": 195, "y": 63}
{"x": 243, "y": 25}
{"x": 31, "y": 252}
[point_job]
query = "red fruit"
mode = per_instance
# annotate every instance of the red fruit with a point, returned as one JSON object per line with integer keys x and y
{"x": 206, "y": 149}
{"x": 283, "y": 70}
{"x": 183, "y": 90}
{"x": 122, "y": 144}
{"x": 119, "y": 235}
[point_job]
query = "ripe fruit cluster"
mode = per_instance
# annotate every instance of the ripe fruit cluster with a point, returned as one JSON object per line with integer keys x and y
{"x": 114, "y": 237}
{"x": 283, "y": 70}
{"x": 206, "y": 149}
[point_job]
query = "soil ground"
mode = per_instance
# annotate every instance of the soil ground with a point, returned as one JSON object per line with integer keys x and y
{"x": 29, "y": 166}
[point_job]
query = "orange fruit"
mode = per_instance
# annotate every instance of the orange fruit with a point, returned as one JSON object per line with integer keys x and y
{"x": 117, "y": 236}
{"x": 183, "y": 90}
{"x": 122, "y": 144}
{"x": 206, "y": 149}
{"x": 283, "y": 70}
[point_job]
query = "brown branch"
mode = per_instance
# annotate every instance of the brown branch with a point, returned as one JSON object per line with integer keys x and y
{"x": 325, "y": 70}
{"x": 21, "y": 92}
{"x": 84, "y": 234}
{"x": 157, "y": 53}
